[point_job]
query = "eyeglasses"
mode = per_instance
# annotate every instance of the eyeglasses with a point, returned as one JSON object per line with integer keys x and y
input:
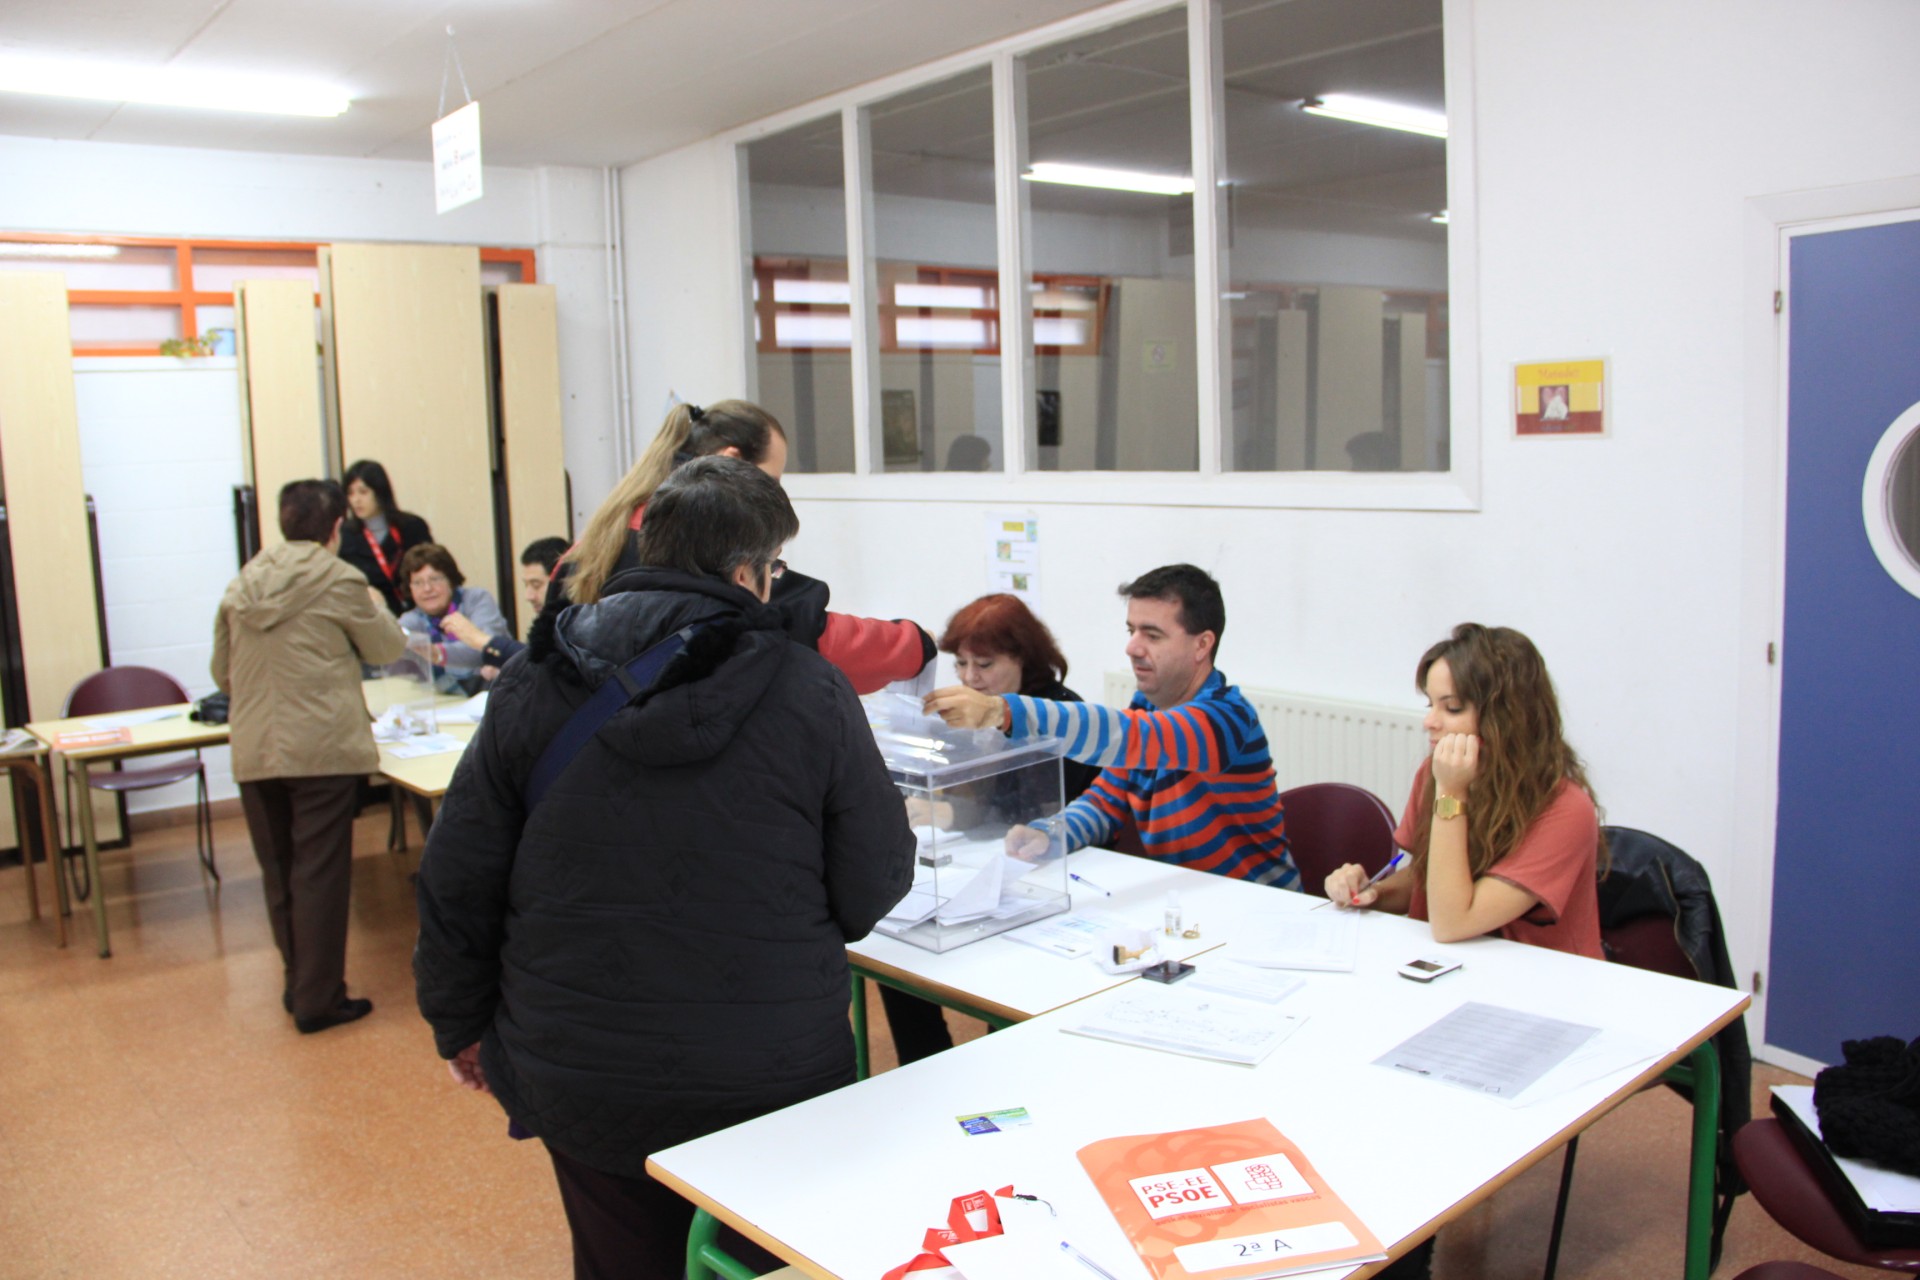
{"x": 421, "y": 580}
{"x": 778, "y": 568}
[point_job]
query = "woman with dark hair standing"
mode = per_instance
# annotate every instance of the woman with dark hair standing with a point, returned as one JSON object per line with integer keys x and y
{"x": 998, "y": 647}
{"x": 1502, "y": 824}
{"x": 377, "y": 532}
{"x": 870, "y": 652}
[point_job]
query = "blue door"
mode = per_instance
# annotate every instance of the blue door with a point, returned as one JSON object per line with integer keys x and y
{"x": 1845, "y": 957}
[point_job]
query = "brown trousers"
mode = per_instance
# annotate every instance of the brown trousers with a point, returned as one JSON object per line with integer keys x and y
{"x": 302, "y": 831}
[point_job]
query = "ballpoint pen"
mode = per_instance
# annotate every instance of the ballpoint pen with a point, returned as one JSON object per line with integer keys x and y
{"x": 1378, "y": 876}
{"x": 1077, "y": 877}
{"x": 1085, "y": 1261}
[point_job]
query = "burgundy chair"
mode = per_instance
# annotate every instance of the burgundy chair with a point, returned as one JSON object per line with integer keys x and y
{"x": 133, "y": 689}
{"x": 1791, "y": 1193}
{"x": 1330, "y": 824}
{"x": 1787, "y": 1271}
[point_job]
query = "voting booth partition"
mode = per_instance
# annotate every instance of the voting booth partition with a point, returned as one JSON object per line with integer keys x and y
{"x": 453, "y": 387}
{"x": 55, "y": 627}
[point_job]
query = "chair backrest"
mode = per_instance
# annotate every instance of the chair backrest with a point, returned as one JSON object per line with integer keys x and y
{"x": 123, "y": 689}
{"x": 1640, "y": 905}
{"x": 1333, "y": 823}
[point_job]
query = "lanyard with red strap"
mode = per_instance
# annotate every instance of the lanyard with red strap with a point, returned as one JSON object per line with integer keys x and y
{"x": 378, "y": 555}
{"x": 960, "y": 1228}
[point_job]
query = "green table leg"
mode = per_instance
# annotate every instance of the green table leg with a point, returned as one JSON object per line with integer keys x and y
{"x": 92, "y": 847}
{"x": 1705, "y": 1069}
{"x": 705, "y": 1257}
{"x": 860, "y": 1062}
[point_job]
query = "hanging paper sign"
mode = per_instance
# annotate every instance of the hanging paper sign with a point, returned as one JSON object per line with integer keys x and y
{"x": 456, "y": 158}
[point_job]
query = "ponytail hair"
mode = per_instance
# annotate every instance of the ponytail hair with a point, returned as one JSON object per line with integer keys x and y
{"x": 688, "y": 432}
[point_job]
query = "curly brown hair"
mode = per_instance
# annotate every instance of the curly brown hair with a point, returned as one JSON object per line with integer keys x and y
{"x": 1524, "y": 754}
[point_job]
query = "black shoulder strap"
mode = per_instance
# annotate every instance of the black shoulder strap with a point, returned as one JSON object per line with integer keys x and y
{"x": 629, "y": 682}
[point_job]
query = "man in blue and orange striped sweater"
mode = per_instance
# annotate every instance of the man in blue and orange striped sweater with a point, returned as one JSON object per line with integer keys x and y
{"x": 1186, "y": 762}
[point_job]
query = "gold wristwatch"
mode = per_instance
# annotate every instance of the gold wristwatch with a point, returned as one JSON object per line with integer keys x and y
{"x": 1447, "y": 808}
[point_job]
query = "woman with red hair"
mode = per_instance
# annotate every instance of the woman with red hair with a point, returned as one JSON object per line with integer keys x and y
{"x": 998, "y": 646}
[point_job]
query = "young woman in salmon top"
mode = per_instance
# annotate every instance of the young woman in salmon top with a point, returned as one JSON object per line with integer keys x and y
{"x": 1502, "y": 825}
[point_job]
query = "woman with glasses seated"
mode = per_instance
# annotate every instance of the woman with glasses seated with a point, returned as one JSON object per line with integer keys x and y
{"x": 1501, "y": 824}
{"x": 439, "y": 594}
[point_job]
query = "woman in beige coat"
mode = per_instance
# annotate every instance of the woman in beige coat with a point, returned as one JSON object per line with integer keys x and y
{"x": 291, "y": 634}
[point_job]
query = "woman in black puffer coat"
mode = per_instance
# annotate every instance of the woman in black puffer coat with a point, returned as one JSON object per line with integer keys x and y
{"x": 658, "y": 949}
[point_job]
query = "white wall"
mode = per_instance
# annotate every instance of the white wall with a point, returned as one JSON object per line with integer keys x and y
{"x": 1617, "y": 144}
{"x": 160, "y": 454}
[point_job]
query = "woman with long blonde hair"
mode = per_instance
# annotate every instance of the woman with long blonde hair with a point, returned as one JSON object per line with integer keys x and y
{"x": 734, "y": 428}
{"x": 871, "y": 652}
{"x": 1502, "y": 825}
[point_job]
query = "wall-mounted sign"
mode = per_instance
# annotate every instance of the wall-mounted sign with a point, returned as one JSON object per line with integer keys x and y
{"x": 456, "y": 158}
{"x": 1564, "y": 398}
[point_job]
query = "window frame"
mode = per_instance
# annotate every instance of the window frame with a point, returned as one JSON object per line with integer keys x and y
{"x": 184, "y": 297}
{"x": 1456, "y": 489}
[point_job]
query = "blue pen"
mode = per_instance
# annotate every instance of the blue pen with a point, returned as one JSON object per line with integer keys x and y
{"x": 1378, "y": 876}
{"x": 1085, "y": 1261}
{"x": 1075, "y": 875}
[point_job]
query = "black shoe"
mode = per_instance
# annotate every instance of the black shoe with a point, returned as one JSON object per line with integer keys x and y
{"x": 345, "y": 1011}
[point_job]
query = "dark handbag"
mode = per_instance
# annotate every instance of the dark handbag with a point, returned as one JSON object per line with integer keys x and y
{"x": 211, "y": 709}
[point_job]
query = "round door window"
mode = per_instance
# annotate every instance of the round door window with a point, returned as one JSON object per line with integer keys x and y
{"x": 1890, "y": 500}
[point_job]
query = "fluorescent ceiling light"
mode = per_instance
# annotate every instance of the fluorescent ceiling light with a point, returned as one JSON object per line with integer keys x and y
{"x": 1385, "y": 115}
{"x": 17, "y": 249}
{"x": 1080, "y": 175}
{"x": 170, "y": 87}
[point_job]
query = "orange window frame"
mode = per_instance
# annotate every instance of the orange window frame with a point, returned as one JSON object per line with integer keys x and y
{"x": 769, "y": 268}
{"x": 187, "y": 299}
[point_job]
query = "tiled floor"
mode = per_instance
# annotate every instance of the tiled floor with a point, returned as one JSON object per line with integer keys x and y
{"x": 160, "y": 1117}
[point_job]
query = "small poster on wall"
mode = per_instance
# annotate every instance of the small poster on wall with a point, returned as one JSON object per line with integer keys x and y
{"x": 1564, "y": 398}
{"x": 1013, "y": 553}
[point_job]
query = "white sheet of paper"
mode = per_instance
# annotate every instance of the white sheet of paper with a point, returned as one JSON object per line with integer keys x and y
{"x": 918, "y": 905}
{"x": 1325, "y": 940}
{"x": 1604, "y": 1054}
{"x": 978, "y": 897}
{"x": 1072, "y": 935}
{"x": 1882, "y": 1189}
{"x": 1487, "y": 1049}
{"x": 128, "y": 719}
{"x": 468, "y": 712}
{"x": 1198, "y": 1024}
{"x": 427, "y": 744}
{"x": 1013, "y": 1257}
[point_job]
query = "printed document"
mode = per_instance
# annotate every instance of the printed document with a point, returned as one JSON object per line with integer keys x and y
{"x": 1489, "y": 1050}
{"x": 1199, "y": 1024}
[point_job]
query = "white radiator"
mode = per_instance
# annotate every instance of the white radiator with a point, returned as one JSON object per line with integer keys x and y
{"x": 1326, "y": 740}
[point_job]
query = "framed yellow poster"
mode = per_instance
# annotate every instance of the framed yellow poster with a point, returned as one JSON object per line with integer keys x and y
{"x": 1563, "y": 398}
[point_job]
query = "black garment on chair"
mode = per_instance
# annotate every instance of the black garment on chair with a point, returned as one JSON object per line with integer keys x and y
{"x": 1650, "y": 877}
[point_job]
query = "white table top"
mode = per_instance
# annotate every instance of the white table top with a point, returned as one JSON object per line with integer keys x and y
{"x": 1016, "y": 981}
{"x": 845, "y": 1184}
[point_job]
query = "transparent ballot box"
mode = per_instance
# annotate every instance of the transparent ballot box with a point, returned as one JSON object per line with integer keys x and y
{"x": 973, "y": 797}
{"x": 400, "y": 695}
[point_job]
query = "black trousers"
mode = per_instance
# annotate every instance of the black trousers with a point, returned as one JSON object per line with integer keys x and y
{"x": 919, "y": 1026}
{"x": 634, "y": 1228}
{"x": 302, "y": 831}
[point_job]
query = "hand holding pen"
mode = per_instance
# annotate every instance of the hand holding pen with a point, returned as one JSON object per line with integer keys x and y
{"x": 1393, "y": 864}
